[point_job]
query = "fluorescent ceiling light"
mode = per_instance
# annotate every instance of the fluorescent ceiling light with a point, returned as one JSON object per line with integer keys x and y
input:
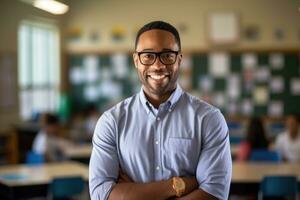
{"x": 51, "y": 6}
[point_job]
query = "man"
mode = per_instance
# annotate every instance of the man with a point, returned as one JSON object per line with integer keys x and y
{"x": 288, "y": 142}
{"x": 161, "y": 143}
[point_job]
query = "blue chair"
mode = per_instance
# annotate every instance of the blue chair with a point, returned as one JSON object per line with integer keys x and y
{"x": 34, "y": 158}
{"x": 278, "y": 187}
{"x": 65, "y": 187}
{"x": 264, "y": 155}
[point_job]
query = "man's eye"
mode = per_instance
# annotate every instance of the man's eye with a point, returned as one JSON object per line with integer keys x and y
{"x": 148, "y": 56}
{"x": 168, "y": 55}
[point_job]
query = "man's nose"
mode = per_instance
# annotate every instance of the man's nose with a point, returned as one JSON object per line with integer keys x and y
{"x": 158, "y": 64}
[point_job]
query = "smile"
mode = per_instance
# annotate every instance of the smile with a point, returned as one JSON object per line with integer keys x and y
{"x": 157, "y": 77}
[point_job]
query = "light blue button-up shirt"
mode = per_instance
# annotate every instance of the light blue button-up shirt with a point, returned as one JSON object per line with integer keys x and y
{"x": 183, "y": 137}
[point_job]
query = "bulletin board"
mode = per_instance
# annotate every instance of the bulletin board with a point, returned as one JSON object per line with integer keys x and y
{"x": 263, "y": 83}
{"x": 239, "y": 83}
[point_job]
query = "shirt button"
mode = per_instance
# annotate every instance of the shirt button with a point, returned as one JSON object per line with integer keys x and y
{"x": 170, "y": 110}
{"x": 158, "y": 119}
{"x": 156, "y": 142}
{"x": 157, "y": 168}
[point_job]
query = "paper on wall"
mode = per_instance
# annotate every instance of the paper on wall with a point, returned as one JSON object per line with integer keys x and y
{"x": 295, "y": 86}
{"x": 247, "y": 107}
{"x": 77, "y": 75}
{"x": 275, "y": 109}
{"x": 233, "y": 86}
{"x": 262, "y": 74}
{"x": 219, "y": 64}
{"x": 120, "y": 65}
{"x": 249, "y": 60}
{"x": 261, "y": 95}
{"x": 276, "y": 61}
{"x": 277, "y": 84}
{"x": 205, "y": 83}
{"x": 91, "y": 71}
{"x": 219, "y": 99}
{"x": 110, "y": 89}
{"x": 91, "y": 93}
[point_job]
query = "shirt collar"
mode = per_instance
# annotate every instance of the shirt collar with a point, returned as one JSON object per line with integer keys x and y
{"x": 173, "y": 99}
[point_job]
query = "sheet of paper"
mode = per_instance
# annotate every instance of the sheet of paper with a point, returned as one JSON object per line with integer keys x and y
{"x": 262, "y": 74}
{"x": 247, "y": 107}
{"x": 120, "y": 65}
{"x": 77, "y": 75}
{"x": 91, "y": 71}
{"x": 91, "y": 93}
{"x": 111, "y": 89}
{"x": 249, "y": 60}
{"x": 261, "y": 95}
{"x": 219, "y": 99}
{"x": 233, "y": 86}
{"x": 295, "y": 86}
{"x": 277, "y": 84}
{"x": 219, "y": 64}
{"x": 275, "y": 109}
{"x": 205, "y": 83}
{"x": 276, "y": 60}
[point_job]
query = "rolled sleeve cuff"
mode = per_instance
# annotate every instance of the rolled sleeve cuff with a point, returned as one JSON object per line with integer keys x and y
{"x": 102, "y": 192}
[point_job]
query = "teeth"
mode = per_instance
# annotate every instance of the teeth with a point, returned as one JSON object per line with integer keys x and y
{"x": 157, "y": 76}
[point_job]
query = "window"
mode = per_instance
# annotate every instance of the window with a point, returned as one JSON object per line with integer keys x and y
{"x": 38, "y": 69}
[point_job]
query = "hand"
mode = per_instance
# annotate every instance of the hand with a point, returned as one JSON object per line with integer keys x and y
{"x": 123, "y": 177}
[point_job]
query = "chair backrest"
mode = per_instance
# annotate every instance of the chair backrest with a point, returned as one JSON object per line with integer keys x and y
{"x": 265, "y": 155}
{"x": 279, "y": 186}
{"x": 66, "y": 186}
{"x": 34, "y": 158}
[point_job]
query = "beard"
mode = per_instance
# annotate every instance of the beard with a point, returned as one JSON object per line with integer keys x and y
{"x": 158, "y": 87}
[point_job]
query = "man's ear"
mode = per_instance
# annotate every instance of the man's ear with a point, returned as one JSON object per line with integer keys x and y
{"x": 135, "y": 58}
{"x": 179, "y": 59}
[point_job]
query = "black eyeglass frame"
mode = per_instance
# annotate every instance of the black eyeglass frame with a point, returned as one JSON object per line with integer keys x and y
{"x": 157, "y": 54}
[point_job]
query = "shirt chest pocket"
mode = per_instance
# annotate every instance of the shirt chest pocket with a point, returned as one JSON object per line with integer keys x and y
{"x": 181, "y": 155}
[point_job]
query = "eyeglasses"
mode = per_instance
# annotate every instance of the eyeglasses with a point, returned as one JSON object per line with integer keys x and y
{"x": 165, "y": 57}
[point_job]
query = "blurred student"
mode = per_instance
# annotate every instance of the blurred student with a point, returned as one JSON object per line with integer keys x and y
{"x": 255, "y": 139}
{"x": 48, "y": 141}
{"x": 83, "y": 124}
{"x": 288, "y": 142}
{"x": 92, "y": 116}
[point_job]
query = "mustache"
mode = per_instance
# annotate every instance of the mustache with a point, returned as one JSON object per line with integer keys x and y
{"x": 158, "y": 72}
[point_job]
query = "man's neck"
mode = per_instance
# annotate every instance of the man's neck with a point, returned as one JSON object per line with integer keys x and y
{"x": 156, "y": 100}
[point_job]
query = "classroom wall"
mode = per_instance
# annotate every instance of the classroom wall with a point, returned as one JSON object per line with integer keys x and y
{"x": 102, "y": 15}
{"x": 12, "y": 12}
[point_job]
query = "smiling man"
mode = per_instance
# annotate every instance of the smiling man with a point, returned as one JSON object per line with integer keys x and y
{"x": 161, "y": 143}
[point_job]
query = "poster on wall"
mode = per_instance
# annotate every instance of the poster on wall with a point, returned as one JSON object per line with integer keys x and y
{"x": 223, "y": 28}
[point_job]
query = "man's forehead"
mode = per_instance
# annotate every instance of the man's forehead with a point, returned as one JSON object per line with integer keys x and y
{"x": 157, "y": 38}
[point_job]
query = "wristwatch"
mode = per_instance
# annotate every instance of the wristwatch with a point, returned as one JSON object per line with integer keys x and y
{"x": 178, "y": 186}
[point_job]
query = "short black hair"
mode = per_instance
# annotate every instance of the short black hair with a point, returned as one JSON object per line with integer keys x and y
{"x": 51, "y": 119}
{"x": 161, "y": 25}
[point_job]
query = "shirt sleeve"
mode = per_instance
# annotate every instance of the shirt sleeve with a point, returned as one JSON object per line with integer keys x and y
{"x": 104, "y": 164}
{"x": 215, "y": 164}
{"x": 39, "y": 143}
